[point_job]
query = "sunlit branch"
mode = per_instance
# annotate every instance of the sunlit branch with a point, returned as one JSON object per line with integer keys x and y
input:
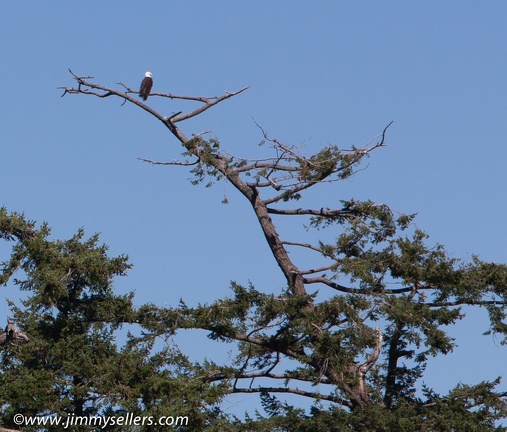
{"x": 2, "y": 429}
{"x": 175, "y": 163}
{"x": 281, "y": 376}
{"x": 313, "y": 395}
{"x": 314, "y": 212}
{"x": 311, "y": 247}
{"x": 265, "y": 184}
{"x": 267, "y": 165}
{"x": 468, "y": 303}
{"x": 373, "y": 357}
{"x": 319, "y": 269}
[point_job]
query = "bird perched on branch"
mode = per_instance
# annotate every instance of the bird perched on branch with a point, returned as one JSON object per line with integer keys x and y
{"x": 11, "y": 333}
{"x": 146, "y": 86}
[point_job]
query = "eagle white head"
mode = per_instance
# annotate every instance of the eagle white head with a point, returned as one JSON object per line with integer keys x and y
{"x": 148, "y": 74}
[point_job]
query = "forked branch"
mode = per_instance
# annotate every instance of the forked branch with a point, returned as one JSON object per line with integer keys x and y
{"x": 87, "y": 87}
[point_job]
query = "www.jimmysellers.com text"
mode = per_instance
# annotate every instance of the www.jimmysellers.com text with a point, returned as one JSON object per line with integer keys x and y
{"x": 101, "y": 421}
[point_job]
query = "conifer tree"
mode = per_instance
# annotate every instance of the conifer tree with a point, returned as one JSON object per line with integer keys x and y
{"x": 356, "y": 350}
{"x": 72, "y": 367}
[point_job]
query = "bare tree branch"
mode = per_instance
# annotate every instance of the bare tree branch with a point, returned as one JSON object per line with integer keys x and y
{"x": 368, "y": 364}
{"x": 85, "y": 86}
{"x": 331, "y": 284}
{"x": 319, "y": 269}
{"x": 322, "y": 212}
{"x": 175, "y": 163}
{"x": 468, "y": 302}
{"x": 208, "y": 103}
{"x": 295, "y": 391}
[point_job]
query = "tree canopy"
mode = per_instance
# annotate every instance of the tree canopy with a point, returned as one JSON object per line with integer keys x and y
{"x": 352, "y": 335}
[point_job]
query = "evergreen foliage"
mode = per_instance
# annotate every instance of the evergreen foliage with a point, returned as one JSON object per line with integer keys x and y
{"x": 352, "y": 336}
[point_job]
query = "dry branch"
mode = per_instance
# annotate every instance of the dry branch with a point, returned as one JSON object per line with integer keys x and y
{"x": 85, "y": 86}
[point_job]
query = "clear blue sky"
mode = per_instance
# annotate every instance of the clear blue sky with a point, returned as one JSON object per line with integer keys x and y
{"x": 328, "y": 72}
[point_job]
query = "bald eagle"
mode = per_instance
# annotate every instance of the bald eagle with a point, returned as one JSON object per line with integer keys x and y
{"x": 146, "y": 86}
